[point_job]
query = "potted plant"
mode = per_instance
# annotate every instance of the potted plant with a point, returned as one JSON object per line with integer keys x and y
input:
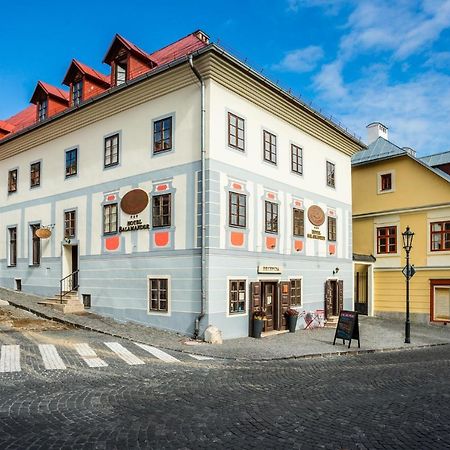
{"x": 291, "y": 318}
{"x": 259, "y": 317}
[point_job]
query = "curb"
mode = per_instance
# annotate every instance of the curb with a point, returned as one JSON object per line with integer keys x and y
{"x": 229, "y": 358}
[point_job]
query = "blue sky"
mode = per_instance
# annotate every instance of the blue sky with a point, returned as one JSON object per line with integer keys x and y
{"x": 357, "y": 60}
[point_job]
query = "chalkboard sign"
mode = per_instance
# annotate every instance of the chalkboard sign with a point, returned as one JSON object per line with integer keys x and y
{"x": 347, "y": 327}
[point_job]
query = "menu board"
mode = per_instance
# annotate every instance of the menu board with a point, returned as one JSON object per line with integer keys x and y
{"x": 347, "y": 327}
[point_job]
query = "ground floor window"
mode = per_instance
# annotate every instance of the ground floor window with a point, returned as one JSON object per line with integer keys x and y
{"x": 440, "y": 300}
{"x": 237, "y": 296}
{"x": 158, "y": 294}
{"x": 296, "y": 291}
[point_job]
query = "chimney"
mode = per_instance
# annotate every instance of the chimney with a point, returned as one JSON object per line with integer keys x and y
{"x": 409, "y": 150}
{"x": 202, "y": 36}
{"x": 376, "y": 130}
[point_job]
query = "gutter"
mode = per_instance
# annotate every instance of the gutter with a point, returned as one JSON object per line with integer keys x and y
{"x": 203, "y": 198}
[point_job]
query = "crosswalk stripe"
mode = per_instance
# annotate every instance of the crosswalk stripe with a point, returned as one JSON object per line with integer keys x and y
{"x": 124, "y": 354}
{"x": 200, "y": 357}
{"x": 10, "y": 358}
{"x": 158, "y": 353}
{"x": 89, "y": 356}
{"x": 50, "y": 357}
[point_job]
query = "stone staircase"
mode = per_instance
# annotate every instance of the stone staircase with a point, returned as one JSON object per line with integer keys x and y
{"x": 70, "y": 303}
{"x": 331, "y": 322}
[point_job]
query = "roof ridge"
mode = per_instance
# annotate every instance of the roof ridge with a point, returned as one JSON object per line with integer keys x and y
{"x": 435, "y": 154}
{"x": 178, "y": 40}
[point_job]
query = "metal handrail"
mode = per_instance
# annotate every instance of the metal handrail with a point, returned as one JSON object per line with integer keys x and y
{"x": 68, "y": 284}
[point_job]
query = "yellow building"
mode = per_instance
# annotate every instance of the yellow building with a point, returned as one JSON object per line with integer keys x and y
{"x": 393, "y": 189}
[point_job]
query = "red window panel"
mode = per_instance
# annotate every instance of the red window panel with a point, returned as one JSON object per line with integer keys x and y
{"x": 387, "y": 240}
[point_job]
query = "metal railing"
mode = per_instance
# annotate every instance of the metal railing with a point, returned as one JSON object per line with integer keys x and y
{"x": 68, "y": 284}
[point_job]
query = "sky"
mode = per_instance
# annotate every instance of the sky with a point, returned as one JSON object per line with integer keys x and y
{"x": 358, "y": 61}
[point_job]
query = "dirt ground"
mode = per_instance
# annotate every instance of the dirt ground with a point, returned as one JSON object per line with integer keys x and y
{"x": 16, "y": 319}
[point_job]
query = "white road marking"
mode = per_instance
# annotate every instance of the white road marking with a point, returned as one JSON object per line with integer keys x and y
{"x": 10, "y": 358}
{"x": 158, "y": 353}
{"x": 52, "y": 361}
{"x": 89, "y": 356}
{"x": 200, "y": 357}
{"x": 124, "y": 354}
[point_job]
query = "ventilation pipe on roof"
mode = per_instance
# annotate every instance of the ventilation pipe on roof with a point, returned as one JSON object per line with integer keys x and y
{"x": 203, "y": 198}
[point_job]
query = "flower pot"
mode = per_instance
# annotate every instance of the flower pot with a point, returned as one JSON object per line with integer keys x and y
{"x": 292, "y": 323}
{"x": 258, "y": 326}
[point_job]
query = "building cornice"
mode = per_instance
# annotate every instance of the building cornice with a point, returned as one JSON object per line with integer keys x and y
{"x": 400, "y": 211}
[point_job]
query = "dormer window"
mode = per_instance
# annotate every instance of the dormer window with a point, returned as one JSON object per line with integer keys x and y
{"x": 42, "y": 110}
{"x": 121, "y": 72}
{"x": 77, "y": 92}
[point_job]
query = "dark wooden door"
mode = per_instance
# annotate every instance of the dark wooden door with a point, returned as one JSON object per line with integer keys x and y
{"x": 75, "y": 267}
{"x": 255, "y": 303}
{"x": 361, "y": 293}
{"x": 269, "y": 304}
{"x": 285, "y": 302}
{"x": 328, "y": 299}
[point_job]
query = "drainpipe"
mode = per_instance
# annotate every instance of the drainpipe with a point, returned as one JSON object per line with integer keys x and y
{"x": 203, "y": 201}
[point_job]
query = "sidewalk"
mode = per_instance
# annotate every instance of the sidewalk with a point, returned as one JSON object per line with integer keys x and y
{"x": 375, "y": 334}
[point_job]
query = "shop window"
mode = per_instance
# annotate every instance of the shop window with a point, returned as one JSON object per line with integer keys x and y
{"x": 298, "y": 219}
{"x": 12, "y": 248}
{"x": 12, "y": 181}
{"x": 158, "y": 294}
{"x": 387, "y": 240}
{"x": 331, "y": 174}
{"x": 161, "y": 210}
{"x": 162, "y": 135}
{"x": 236, "y": 132}
{"x": 112, "y": 150}
{"x": 35, "y": 245}
{"x": 270, "y": 147}
{"x": 35, "y": 174}
{"x": 110, "y": 218}
{"x": 69, "y": 224}
{"x": 440, "y": 236}
{"x": 296, "y": 292}
{"x": 237, "y": 210}
{"x": 71, "y": 162}
{"x": 296, "y": 159}
{"x": 332, "y": 229}
{"x": 271, "y": 217}
{"x": 237, "y": 292}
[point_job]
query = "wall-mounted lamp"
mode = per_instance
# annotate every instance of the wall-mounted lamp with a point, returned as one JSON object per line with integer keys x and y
{"x": 66, "y": 240}
{"x": 335, "y": 271}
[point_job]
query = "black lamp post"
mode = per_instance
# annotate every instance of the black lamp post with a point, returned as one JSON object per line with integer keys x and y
{"x": 407, "y": 245}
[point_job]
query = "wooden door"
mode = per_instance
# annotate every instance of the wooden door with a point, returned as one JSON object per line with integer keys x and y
{"x": 269, "y": 304}
{"x": 328, "y": 299}
{"x": 75, "y": 267}
{"x": 255, "y": 303}
{"x": 361, "y": 292}
{"x": 285, "y": 303}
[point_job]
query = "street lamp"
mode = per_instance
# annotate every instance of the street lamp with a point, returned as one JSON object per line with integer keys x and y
{"x": 407, "y": 245}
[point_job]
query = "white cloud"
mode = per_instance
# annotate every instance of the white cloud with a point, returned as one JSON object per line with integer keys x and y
{"x": 330, "y": 6}
{"x": 301, "y": 60}
{"x": 329, "y": 81}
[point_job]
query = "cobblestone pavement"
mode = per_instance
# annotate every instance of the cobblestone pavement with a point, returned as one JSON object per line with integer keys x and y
{"x": 377, "y": 401}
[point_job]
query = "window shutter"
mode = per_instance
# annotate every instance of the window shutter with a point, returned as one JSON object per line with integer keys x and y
{"x": 285, "y": 296}
{"x": 255, "y": 303}
{"x": 328, "y": 299}
{"x": 341, "y": 294}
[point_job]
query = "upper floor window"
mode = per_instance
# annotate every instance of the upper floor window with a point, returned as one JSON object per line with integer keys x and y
{"x": 121, "y": 72}
{"x": 161, "y": 210}
{"x": 331, "y": 174}
{"x": 236, "y": 132}
{"x": 77, "y": 92}
{"x": 12, "y": 254}
{"x": 111, "y": 150}
{"x": 162, "y": 135}
{"x": 386, "y": 182}
{"x": 110, "y": 218}
{"x": 270, "y": 147}
{"x": 387, "y": 240}
{"x": 35, "y": 174}
{"x": 158, "y": 294}
{"x": 237, "y": 210}
{"x": 71, "y": 162}
{"x": 298, "y": 219}
{"x": 69, "y": 224}
{"x": 42, "y": 110}
{"x": 440, "y": 236}
{"x": 271, "y": 213}
{"x": 35, "y": 245}
{"x": 332, "y": 228}
{"x": 237, "y": 296}
{"x": 296, "y": 159}
{"x": 12, "y": 181}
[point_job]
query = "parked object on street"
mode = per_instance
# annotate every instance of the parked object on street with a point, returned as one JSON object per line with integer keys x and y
{"x": 258, "y": 322}
{"x": 213, "y": 335}
{"x": 292, "y": 317}
{"x": 347, "y": 328}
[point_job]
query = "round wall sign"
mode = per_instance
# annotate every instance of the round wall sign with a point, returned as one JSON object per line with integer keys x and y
{"x": 316, "y": 215}
{"x": 134, "y": 201}
{"x": 43, "y": 233}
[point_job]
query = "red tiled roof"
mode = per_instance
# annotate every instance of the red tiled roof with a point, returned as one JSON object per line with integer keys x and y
{"x": 24, "y": 118}
{"x": 50, "y": 90}
{"x": 88, "y": 71}
{"x": 6, "y": 126}
{"x": 128, "y": 45}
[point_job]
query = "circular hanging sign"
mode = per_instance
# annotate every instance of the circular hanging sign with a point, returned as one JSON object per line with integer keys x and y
{"x": 43, "y": 233}
{"x": 134, "y": 201}
{"x": 316, "y": 215}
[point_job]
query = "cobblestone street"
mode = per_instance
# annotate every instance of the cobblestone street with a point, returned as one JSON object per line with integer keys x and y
{"x": 138, "y": 399}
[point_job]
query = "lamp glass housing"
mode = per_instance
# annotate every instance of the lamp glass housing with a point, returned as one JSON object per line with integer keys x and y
{"x": 408, "y": 236}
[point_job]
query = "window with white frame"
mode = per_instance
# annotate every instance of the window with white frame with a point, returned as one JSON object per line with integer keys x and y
{"x": 237, "y": 292}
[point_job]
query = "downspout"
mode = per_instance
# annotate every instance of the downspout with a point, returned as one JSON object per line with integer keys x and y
{"x": 203, "y": 198}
